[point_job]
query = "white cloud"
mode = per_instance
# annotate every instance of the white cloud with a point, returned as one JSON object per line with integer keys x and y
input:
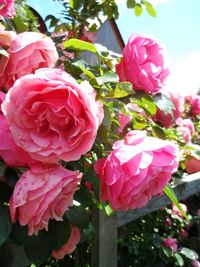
{"x": 184, "y": 75}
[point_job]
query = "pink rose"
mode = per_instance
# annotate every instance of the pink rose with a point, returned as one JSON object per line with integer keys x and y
{"x": 166, "y": 119}
{"x": 11, "y": 154}
{"x": 28, "y": 52}
{"x": 70, "y": 246}
{"x": 183, "y": 233}
{"x": 168, "y": 221}
{"x": 176, "y": 211}
{"x": 195, "y": 263}
{"x": 137, "y": 169}
{"x": 51, "y": 116}
{"x": 142, "y": 64}
{"x": 7, "y": 8}
{"x": 195, "y": 104}
{"x": 42, "y": 194}
{"x": 192, "y": 165}
{"x": 171, "y": 243}
{"x": 186, "y": 127}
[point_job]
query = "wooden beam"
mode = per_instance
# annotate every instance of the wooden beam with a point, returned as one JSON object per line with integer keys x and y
{"x": 104, "y": 246}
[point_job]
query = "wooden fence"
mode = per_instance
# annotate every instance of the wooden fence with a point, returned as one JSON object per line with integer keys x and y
{"x": 104, "y": 247}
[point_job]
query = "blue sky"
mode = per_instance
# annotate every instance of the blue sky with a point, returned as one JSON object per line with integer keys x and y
{"x": 177, "y": 26}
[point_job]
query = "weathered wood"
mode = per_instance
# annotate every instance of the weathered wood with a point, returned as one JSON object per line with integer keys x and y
{"x": 104, "y": 246}
{"x": 185, "y": 187}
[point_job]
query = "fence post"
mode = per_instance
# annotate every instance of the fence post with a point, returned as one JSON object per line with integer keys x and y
{"x": 104, "y": 245}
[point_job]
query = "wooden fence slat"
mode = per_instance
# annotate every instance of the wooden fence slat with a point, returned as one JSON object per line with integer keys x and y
{"x": 104, "y": 246}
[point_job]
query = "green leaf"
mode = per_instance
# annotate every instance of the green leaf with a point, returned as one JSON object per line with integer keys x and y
{"x": 179, "y": 259}
{"x": 5, "y": 224}
{"x": 122, "y": 89}
{"x": 11, "y": 177}
{"x": 167, "y": 251}
{"x": 5, "y": 192}
{"x": 2, "y": 168}
{"x": 158, "y": 132}
{"x": 78, "y": 216}
{"x": 108, "y": 76}
{"x": 6, "y": 256}
{"x": 130, "y": 3}
{"x": 59, "y": 233}
{"x": 138, "y": 10}
{"x": 38, "y": 248}
{"x": 164, "y": 103}
{"x": 81, "y": 64}
{"x": 150, "y": 9}
{"x": 109, "y": 211}
{"x": 79, "y": 45}
{"x": 189, "y": 253}
{"x": 84, "y": 196}
{"x": 170, "y": 193}
{"x": 19, "y": 234}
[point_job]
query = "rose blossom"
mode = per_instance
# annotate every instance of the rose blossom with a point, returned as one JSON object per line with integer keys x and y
{"x": 195, "y": 263}
{"x": 137, "y": 169}
{"x": 176, "y": 211}
{"x": 70, "y": 246}
{"x": 195, "y": 104}
{"x": 51, "y": 116}
{"x": 142, "y": 64}
{"x": 11, "y": 154}
{"x": 28, "y": 52}
{"x": 192, "y": 165}
{"x": 42, "y": 194}
{"x": 166, "y": 119}
{"x": 183, "y": 233}
{"x": 186, "y": 127}
{"x": 171, "y": 243}
{"x": 7, "y": 9}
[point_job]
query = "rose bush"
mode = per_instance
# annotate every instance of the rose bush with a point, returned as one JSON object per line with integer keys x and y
{"x": 142, "y": 64}
{"x": 28, "y": 52}
{"x": 137, "y": 169}
{"x": 43, "y": 193}
{"x": 51, "y": 116}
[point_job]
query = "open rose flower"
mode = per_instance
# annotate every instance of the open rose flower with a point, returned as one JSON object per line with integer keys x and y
{"x": 137, "y": 169}
{"x": 170, "y": 243}
{"x": 11, "y": 154}
{"x": 7, "y": 8}
{"x": 28, "y": 52}
{"x": 70, "y": 246}
{"x": 51, "y": 116}
{"x": 42, "y": 194}
{"x": 195, "y": 104}
{"x": 186, "y": 128}
{"x": 166, "y": 119}
{"x": 142, "y": 64}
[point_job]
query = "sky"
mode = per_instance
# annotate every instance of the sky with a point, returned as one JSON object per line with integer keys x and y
{"x": 176, "y": 26}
